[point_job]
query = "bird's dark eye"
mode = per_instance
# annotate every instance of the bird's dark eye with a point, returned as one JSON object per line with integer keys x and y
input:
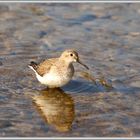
{"x": 71, "y": 54}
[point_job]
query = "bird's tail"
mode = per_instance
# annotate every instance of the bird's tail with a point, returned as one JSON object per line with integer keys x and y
{"x": 33, "y": 65}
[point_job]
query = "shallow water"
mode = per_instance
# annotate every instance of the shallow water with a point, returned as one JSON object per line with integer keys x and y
{"x": 107, "y": 39}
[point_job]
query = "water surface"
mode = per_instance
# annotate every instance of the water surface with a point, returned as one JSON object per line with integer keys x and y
{"x": 107, "y": 39}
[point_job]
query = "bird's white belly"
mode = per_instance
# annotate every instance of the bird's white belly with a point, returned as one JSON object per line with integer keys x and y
{"x": 53, "y": 80}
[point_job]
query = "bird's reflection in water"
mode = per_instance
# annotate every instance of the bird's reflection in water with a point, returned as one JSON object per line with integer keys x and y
{"x": 56, "y": 107}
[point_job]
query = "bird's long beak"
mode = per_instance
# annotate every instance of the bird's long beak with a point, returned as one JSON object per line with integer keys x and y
{"x": 82, "y": 64}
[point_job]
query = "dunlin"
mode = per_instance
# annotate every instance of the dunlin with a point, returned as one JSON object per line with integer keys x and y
{"x": 56, "y": 72}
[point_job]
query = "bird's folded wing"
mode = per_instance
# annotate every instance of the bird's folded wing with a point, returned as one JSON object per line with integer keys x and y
{"x": 45, "y": 66}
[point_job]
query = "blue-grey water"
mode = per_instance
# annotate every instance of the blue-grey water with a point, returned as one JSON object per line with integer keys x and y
{"x": 107, "y": 38}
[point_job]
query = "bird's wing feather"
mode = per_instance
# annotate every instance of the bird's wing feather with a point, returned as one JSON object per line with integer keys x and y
{"x": 45, "y": 66}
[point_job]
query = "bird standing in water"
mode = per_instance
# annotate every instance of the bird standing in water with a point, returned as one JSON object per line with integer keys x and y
{"x": 56, "y": 72}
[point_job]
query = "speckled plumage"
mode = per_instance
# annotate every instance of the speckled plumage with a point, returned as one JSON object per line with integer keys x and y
{"x": 56, "y": 72}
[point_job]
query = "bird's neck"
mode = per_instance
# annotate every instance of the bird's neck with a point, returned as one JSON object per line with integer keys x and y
{"x": 65, "y": 63}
